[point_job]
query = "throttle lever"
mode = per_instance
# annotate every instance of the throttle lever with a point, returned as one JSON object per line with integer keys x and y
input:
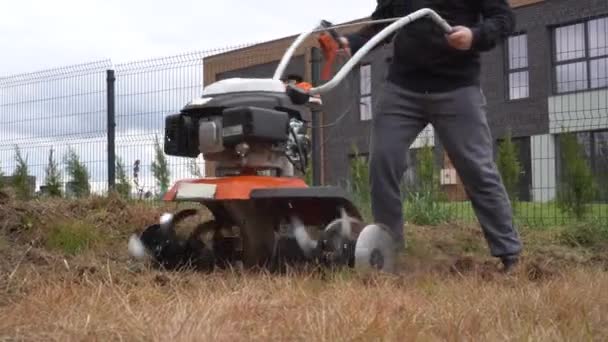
{"x": 328, "y": 27}
{"x": 330, "y": 44}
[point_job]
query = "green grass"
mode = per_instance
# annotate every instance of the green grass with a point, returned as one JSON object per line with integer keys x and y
{"x": 536, "y": 215}
{"x": 73, "y": 237}
{"x": 589, "y": 235}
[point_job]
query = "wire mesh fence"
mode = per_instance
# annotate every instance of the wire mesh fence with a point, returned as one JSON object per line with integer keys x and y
{"x": 547, "y": 107}
{"x": 50, "y": 114}
{"x": 55, "y": 110}
{"x": 146, "y": 92}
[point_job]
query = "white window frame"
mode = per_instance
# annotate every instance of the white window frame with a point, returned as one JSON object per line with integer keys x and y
{"x": 518, "y": 69}
{"x": 586, "y": 60}
{"x": 365, "y": 89}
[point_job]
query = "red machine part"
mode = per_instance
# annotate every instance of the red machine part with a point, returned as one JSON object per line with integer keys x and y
{"x": 239, "y": 187}
{"x": 330, "y": 48}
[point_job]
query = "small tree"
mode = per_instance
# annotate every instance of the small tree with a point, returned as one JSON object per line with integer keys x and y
{"x": 424, "y": 205}
{"x": 159, "y": 167}
{"x": 21, "y": 175}
{"x": 194, "y": 168}
{"x": 1, "y": 177}
{"x": 123, "y": 186}
{"x": 427, "y": 173}
{"x": 308, "y": 174}
{"x": 53, "y": 177}
{"x": 359, "y": 183}
{"x": 577, "y": 186}
{"x": 509, "y": 166}
{"x": 78, "y": 173}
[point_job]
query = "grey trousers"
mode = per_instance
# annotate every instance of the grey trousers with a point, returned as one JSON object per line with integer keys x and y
{"x": 460, "y": 123}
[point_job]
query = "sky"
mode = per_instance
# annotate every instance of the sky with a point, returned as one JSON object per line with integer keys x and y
{"x": 42, "y": 34}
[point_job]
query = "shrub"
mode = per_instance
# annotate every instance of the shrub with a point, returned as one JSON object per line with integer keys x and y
{"x": 20, "y": 176}
{"x": 53, "y": 177}
{"x": 160, "y": 168}
{"x": 577, "y": 187}
{"x": 79, "y": 175}
{"x": 73, "y": 237}
{"x": 123, "y": 187}
{"x": 509, "y": 167}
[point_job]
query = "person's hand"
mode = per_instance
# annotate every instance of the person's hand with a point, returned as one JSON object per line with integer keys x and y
{"x": 460, "y": 38}
{"x": 346, "y": 50}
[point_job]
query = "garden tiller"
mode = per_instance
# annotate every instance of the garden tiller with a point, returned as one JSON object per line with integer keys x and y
{"x": 263, "y": 215}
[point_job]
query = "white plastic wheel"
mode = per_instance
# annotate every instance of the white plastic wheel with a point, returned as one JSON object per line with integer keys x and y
{"x": 375, "y": 250}
{"x": 136, "y": 248}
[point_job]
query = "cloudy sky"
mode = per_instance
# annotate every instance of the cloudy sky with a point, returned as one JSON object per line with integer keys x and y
{"x": 42, "y": 34}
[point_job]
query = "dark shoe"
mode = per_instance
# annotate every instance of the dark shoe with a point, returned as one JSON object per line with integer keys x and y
{"x": 509, "y": 263}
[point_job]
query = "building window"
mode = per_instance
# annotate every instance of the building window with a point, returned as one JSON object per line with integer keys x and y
{"x": 581, "y": 56}
{"x": 366, "y": 92}
{"x": 517, "y": 52}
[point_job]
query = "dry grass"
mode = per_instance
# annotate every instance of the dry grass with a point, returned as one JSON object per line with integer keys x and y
{"x": 449, "y": 291}
{"x": 110, "y": 305}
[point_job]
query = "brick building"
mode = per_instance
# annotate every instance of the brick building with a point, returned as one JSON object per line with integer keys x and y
{"x": 550, "y": 76}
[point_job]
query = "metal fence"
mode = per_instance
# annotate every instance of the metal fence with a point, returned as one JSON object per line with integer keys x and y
{"x": 145, "y": 92}
{"x": 105, "y": 113}
{"x": 539, "y": 87}
{"x": 59, "y": 110}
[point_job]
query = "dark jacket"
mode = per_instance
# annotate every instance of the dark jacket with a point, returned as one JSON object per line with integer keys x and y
{"x": 422, "y": 60}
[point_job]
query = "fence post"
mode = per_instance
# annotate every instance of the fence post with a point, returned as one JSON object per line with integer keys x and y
{"x": 111, "y": 119}
{"x": 316, "y": 122}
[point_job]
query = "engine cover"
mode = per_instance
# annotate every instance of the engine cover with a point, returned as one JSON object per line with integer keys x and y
{"x": 242, "y": 125}
{"x": 181, "y": 137}
{"x": 254, "y": 124}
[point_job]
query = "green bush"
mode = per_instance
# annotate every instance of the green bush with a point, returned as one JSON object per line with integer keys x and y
{"x": 21, "y": 183}
{"x": 577, "y": 187}
{"x": 509, "y": 167}
{"x": 73, "y": 237}
{"x": 160, "y": 168}
{"x": 79, "y": 175}
{"x": 53, "y": 177}
{"x": 123, "y": 187}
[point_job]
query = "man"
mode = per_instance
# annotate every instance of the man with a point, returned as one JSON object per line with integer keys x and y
{"x": 434, "y": 78}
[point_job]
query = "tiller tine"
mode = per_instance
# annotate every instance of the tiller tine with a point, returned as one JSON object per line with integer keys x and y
{"x": 344, "y": 243}
{"x": 160, "y": 244}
